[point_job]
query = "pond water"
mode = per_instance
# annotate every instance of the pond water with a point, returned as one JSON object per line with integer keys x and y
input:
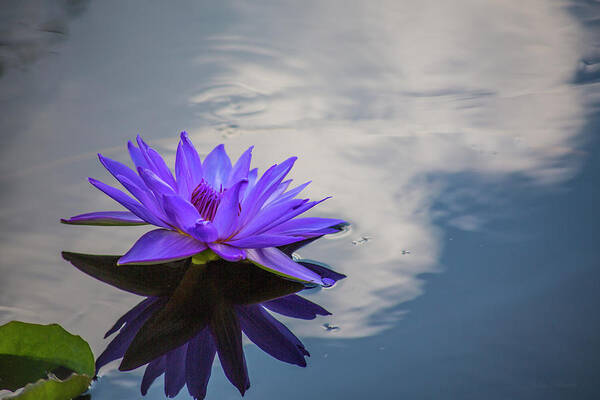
{"x": 460, "y": 139}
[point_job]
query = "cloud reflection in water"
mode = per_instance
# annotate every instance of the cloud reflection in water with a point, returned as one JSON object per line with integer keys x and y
{"x": 381, "y": 101}
{"x": 409, "y": 93}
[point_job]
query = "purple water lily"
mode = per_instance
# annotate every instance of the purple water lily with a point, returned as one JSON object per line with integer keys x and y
{"x": 211, "y": 205}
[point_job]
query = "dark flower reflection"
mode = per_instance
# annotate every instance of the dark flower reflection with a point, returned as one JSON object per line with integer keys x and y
{"x": 193, "y": 312}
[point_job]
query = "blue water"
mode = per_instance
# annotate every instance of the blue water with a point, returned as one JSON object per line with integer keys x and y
{"x": 461, "y": 141}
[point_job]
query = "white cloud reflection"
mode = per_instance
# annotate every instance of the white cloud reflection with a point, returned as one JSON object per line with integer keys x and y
{"x": 374, "y": 98}
{"x": 394, "y": 95}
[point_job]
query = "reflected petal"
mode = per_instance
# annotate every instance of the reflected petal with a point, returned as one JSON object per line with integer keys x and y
{"x": 227, "y": 334}
{"x": 154, "y": 369}
{"x": 145, "y": 280}
{"x": 130, "y": 315}
{"x": 186, "y": 313}
{"x": 296, "y": 307}
{"x": 175, "y": 371}
{"x": 200, "y": 356}
{"x": 270, "y": 335}
{"x": 119, "y": 345}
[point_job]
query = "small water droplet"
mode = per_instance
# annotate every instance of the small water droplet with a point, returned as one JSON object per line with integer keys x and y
{"x": 328, "y": 282}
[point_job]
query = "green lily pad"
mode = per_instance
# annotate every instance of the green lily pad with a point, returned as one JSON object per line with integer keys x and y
{"x": 38, "y": 356}
{"x": 54, "y": 388}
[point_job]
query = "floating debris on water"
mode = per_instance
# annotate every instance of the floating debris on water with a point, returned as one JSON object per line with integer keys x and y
{"x": 329, "y": 327}
{"x": 362, "y": 240}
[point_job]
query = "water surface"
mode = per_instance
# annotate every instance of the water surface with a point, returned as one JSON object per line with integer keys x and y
{"x": 459, "y": 139}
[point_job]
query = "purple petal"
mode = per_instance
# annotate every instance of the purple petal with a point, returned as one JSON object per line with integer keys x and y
{"x": 293, "y": 213}
{"x": 280, "y": 189}
{"x": 253, "y": 191}
{"x": 161, "y": 245}
{"x": 263, "y": 189}
{"x": 175, "y": 371}
{"x": 109, "y": 218}
{"x": 144, "y": 150}
{"x": 241, "y": 168}
{"x": 116, "y": 169}
{"x": 136, "y": 156}
{"x": 301, "y": 226}
{"x": 296, "y": 307}
{"x": 126, "y": 202}
{"x": 226, "y": 219}
{"x": 155, "y": 183}
{"x": 117, "y": 347}
{"x": 198, "y": 365}
{"x": 270, "y": 335}
{"x": 161, "y": 169}
{"x": 273, "y": 260}
{"x": 252, "y": 177}
{"x": 193, "y": 161}
{"x": 330, "y": 277}
{"x": 226, "y": 252}
{"x": 263, "y": 240}
{"x": 155, "y": 162}
{"x": 181, "y": 212}
{"x": 143, "y": 194}
{"x": 267, "y": 216}
{"x": 217, "y": 167}
{"x": 147, "y": 198}
{"x": 291, "y": 193}
{"x": 154, "y": 369}
{"x": 204, "y": 231}
{"x": 182, "y": 173}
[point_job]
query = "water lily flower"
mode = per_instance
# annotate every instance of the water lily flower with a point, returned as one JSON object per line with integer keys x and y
{"x": 211, "y": 205}
{"x": 193, "y": 313}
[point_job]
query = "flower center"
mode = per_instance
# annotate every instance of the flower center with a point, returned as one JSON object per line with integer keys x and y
{"x": 206, "y": 200}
